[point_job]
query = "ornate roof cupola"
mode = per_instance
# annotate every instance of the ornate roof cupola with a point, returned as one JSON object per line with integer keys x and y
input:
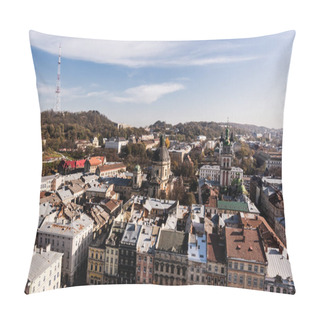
{"x": 162, "y": 153}
{"x": 161, "y": 171}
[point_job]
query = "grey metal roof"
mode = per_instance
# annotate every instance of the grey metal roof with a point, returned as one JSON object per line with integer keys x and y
{"x": 131, "y": 234}
{"x": 41, "y": 262}
{"x": 278, "y": 264}
{"x": 68, "y": 229}
{"x": 64, "y": 194}
{"x": 145, "y": 239}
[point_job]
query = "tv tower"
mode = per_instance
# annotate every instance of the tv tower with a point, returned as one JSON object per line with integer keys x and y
{"x": 57, "y": 107}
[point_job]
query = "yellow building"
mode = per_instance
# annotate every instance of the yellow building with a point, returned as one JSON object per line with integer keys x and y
{"x": 96, "y": 261}
{"x": 246, "y": 259}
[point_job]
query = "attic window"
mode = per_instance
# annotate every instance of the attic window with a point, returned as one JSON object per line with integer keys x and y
{"x": 238, "y": 246}
{"x": 250, "y": 249}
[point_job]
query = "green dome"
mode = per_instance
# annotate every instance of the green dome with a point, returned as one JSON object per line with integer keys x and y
{"x": 137, "y": 168}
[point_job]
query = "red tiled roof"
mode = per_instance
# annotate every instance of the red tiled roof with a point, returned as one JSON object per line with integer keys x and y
{"x": 268, "y": 235}
{"x": 215, "y": 248}
{"x": 112, "y": 204}
{"x": 244, "y": 244}
{"x": 95, "y": 161}
{"x": 74, "y": 164}
{"x": 108, "y": 167}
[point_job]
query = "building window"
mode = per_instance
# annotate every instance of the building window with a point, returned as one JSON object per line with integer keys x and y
{"x": 241, "y": 266}
{"x": 236, "y": 265}
{"x": 229, "y": 277}
{"x": 278, "y": 290}
{"x": 230, "y": 265}
{"x": 261, "y": 283}
{"x": 249, "y": 281}
{"x": 250, "y": 267}
{"x": 261, "y": 269}
{"x": 255, "y": 268}
{"x": 255, "y": 282}
{"x": 235, "y": 278}
{"x": 216, "y": 269}
{"x": 241, "y": 279}
{"x": 222, "y": 269}
{"x": 271, "y": 289}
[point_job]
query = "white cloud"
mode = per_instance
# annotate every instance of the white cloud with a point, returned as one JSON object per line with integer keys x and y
{"x": 147, "y": 93}
{"x": 145, "y": 53}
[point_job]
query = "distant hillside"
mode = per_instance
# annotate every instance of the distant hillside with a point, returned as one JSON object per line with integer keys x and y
{"x": 190, "y": 130}
{"x": 62, "y": 129}
{"x": 250, "y": 127}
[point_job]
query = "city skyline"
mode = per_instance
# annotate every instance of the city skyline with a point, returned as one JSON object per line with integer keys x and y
{"x": 138, "y": 83}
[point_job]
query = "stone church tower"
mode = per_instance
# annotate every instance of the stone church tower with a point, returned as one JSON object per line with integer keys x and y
{"x": 160, "y": 173}
{"x": 137, "y": 177}
{"x": 226, "y": 159}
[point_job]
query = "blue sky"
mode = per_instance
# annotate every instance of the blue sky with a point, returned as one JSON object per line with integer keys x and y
{"x": 138, "y": 83}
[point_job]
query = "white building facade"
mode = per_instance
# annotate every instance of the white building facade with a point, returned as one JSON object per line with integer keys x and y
{"x": 45, "y": 271}
{"x": 72, "y": 238}
{"x": 116, "y": 143}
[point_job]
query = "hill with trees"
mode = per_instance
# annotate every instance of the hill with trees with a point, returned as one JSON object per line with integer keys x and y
{"x": 62, "y": 129}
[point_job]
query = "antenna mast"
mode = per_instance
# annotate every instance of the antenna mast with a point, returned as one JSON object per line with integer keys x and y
{"x": 57, "y": 107}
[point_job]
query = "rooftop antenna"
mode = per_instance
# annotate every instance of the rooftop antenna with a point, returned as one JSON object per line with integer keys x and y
{"x": 57, "y": 107}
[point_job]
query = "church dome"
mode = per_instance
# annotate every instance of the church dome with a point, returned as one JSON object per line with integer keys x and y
{"x": 137, "y": 168}
{"x": 162, "y": 153}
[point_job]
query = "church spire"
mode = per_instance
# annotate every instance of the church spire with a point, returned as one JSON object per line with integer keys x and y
{"x": 162, "y": 142}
